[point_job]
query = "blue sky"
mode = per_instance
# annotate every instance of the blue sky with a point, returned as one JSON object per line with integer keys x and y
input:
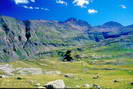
{"x": 95, "y": 12}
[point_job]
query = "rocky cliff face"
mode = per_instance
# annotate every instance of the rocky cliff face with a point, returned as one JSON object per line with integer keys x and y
{"x": 24, "y": 39}
{"x": 29, "y": 39}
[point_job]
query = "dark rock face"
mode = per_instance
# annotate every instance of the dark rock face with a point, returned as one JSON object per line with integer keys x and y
{"x": 34, "y": 38}
{"x": 27, "y": 29}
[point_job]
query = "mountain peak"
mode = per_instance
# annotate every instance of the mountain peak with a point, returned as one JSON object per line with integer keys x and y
{"x": 77, "y": 22}
{"x": 71, "y": 20}
{"x": 130, "y": 26}
{"x": 112, "y": 24}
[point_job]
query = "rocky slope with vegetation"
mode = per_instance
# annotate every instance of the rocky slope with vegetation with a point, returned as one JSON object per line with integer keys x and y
{"x": 37, "y": 38}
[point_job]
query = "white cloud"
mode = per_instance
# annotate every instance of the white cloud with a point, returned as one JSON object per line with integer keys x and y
{"x": 46, "y": 9}
{"x": 41, "y": 8}
{"x": 32, "y": 0}
{"x": 35, "y": 8}
{"x": 92, "y": 11}
{"x": 81, "y": 3}
{"x": 28, "y": 7}
{"x": 61, "y": 2}
{"x": 123, "y": 6}
{"x": 23, "y": 1}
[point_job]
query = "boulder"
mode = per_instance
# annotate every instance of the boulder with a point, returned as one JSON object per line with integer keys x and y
{"x": 77, "y": 86}
{"x": 2, "y": 76}
{"x": 41, "y": 87}
{"x": 52, "y": 72}
{"x": 86, "y": 85}
{"x": 115, "y": 81}
{"x": 96, "y": 77}
{"x": 96, "y": 86}
{"x": 37, "y": 84}
{"x": 19, "y": 78}
{"x": 69, "y": 75}
{"x": 55, "y": 84}
{"x": 131, "y": 83}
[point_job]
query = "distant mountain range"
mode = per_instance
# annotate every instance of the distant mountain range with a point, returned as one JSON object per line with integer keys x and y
{"x": 31, "y": 38}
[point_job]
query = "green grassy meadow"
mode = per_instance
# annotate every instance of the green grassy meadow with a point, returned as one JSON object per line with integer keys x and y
{"x": 108, "y": 63}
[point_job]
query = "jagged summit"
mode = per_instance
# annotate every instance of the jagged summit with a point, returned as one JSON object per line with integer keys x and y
{"x": 71, "y": 20}
{"x": 77, "y": 22}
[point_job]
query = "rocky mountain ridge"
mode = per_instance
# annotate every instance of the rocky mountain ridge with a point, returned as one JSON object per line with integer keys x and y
{"x": 31, "y": 38}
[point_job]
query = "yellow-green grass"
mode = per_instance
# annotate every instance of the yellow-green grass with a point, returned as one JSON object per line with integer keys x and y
{"x": 83, "y": 72}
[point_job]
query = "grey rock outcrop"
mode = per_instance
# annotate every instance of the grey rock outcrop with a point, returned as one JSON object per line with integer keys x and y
{"x": 27, "y": 71}
{"x": 52, "y": 72}
{"x": 7, "y": 69}
{"x": 55, "y": 84}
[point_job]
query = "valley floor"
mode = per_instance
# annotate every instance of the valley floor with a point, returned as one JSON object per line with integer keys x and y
{"x": 103, "y": 73}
